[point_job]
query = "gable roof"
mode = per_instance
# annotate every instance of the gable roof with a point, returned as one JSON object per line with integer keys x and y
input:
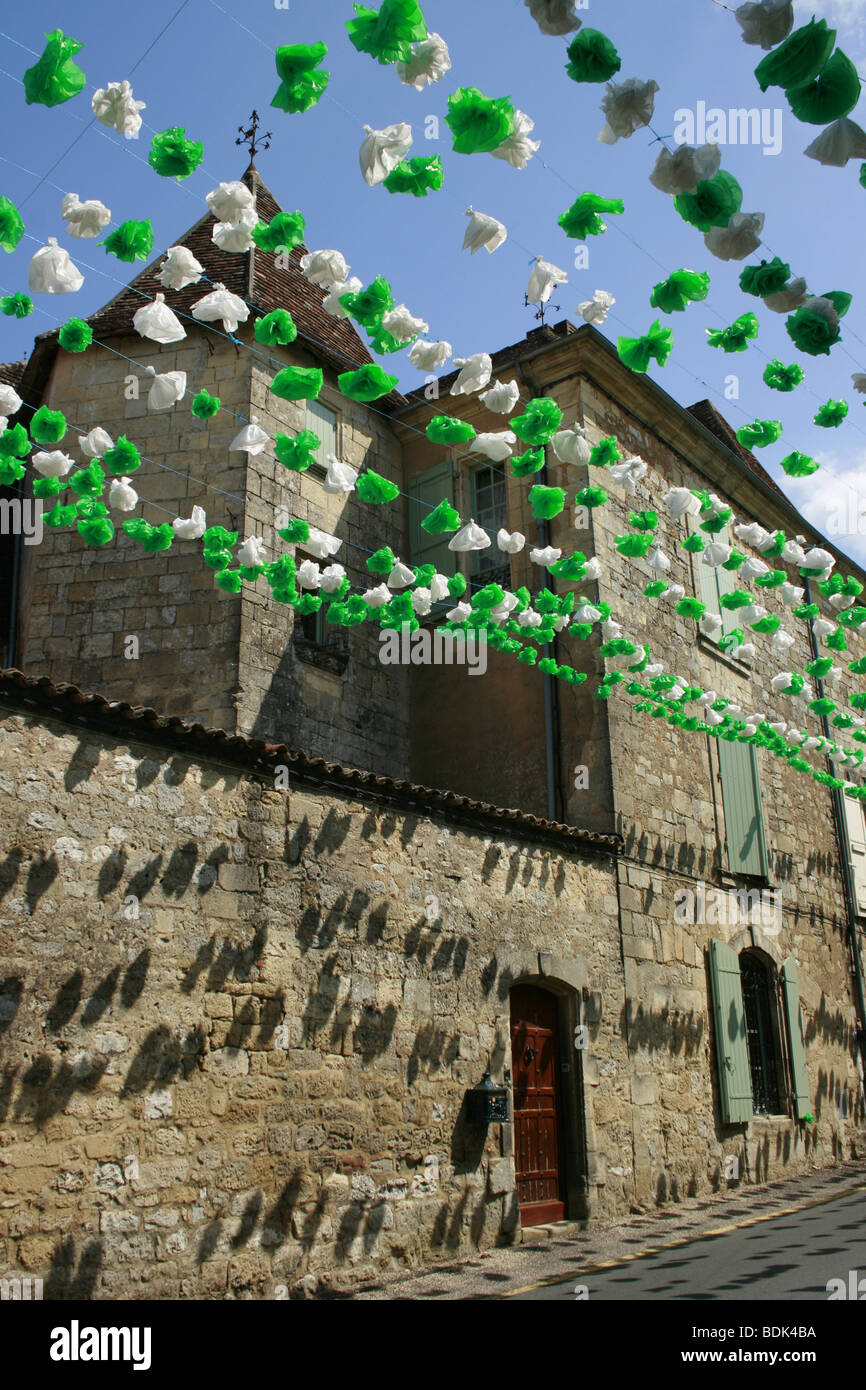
{"x": 12, "y": 372}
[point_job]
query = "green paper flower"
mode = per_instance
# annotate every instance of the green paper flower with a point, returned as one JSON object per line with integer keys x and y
{"x": 713, "y": 202}
{"x": 800, "y": 58}
{"x": 798, "y": 465}
{"x": 294, "y": 534}
{"x": 94, "y": 525}
{"x": 297, "y": 453}
{"x": 14, "y": 443}
{"x": 605, "y": 453}
{"x": 823, "y": 706}
{"x": 782, "y": 378}
{"x": 75, "y": 336}
{"x": 682, "y": 288}
{"x": 759, "y": 434}
{"x": 280, "y": 234}
{"x": 372, "y": 487}
{"x": 381, "y": 561}
{"x": 59, "y": 515}
{"x": 298, "y": 383}
{"x": 11, "y": 226}
{"x": 810, "y": 332}
{"x": 446, "y": 429}
{"x": 644, "y": 521}
{"x": 131, "y": 241}
{"x": 418, "y": 176}
{"x": 592, "y": 57}
{"x": 89, "y": 481}
{"x": 11, "y": 471}
{"x": 736, "y": 337}
{"x": 738, "y": 598}
{"x": 716, "y": 521}
{"x": 124, "y": 458}
{"x": 635, "y": 546}
{"x": 840, "y": 299}
{"x": 820, "y": 667}
{"x": 582, "y": 220}
{"x": 570, "y": 567}
{"x": 388, "y": 33}
{"x": 832, "y": 94}
{"x": 16, "y": 305}
{"x": 442, "y": 518}
{"x": 539, "y": 421}
{"x": 773, "y": 580}
{"x": 230, "y": 580}
{"x": 768, "y": 624}
{"x": 173, "y": 156}
{"x": 383, "y": 342}
{"x": 546, "y": 502}
{"x": 831, "y": 414}
{"x": 275, "y": 328}
{"x": 836, "y": 641}
{"x": 300, "y": 87}
{"x": 54, "y": 77}
{"x": 48, "y": 426}
{"x": 368, "y": 383}
{"x": 205, "y": 406}
{"x": 636, "y": 352}
{"x": 526, "y": 464}
{"x": 457, "y": 585}
{"x": 734, "y": 561}
{"x": 369, "y": 305}
{"x": 478, "y": 123}
{"x": 150, "y": 538}
{"x": 592, "y": 497}
{"x": 767, "y": 278}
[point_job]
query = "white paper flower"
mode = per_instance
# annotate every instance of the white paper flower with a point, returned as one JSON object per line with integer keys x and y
{"x": 587, "y": 613}
{"x": 545, "y": 555}
{"x": 95, "y": 444}
{"x": 517, "y": 148}
{"x": 10, "y": 401}
{"x": 400, "y": 576}
{"x": 250, "y": 440}
{"x": 790, "y": 298}
{"x": 838, "y": 142}
{"x": 818, "y": 559}
{"x": 122, "y": 496}
{"x": 166, "y": 389}
{"x": 325, "y": 268}
{"x": 331, "y": 302}
{"x": 529, "y": 618}
{"x": 630, "y": 472}
{"x": 52, "y": 463}
{"x": 403, "y": 325}
{"x": 191, "y": 528}
{"x": 554, "y": 16}
{"x": 766, "y": 22}
{"x": 115, "y": 106}
{"x": 715, "y": 554}
{"x": 657, "y": 561}
{"x": 681, "y": 170}
{"x": 429, "y": 63}
{"x": 229, "y": 201}
{"x": 753, "y": 569}
{"x": 51, "y": 271}
{"x": 483, "y": 231}
{"x": 681, "y": 501}
{"x": 322, "y": 544}
{"x": 221, "y": 306}
{"x": 823, "y": 628}
{"x": 543, "y": 277}
{"x": 752, "y": 533}
{"x": 501, "y": 397}
{"x": 309, "y": 575}
{"x": 511, "y": 542}
{"x": 378, "y": 597}
{"x": 673, "y": 593}
{"x": 502, "y": 611}
{"x": 710, "y": 624}
{"x": 496, "y": 445}
{"x": 572, "y": 446}
{"x": 422, "y": 601}
{"x": 158, "y": 322}
{"x": 790, "y": 594}
{"x": 180, "y": 268}
{"x": 596, "y": 310}
{"x": 627, "y": 107}
{"x": 781, "y": 681}
{"x": 793, "y": 552}
{"x": 460, "y": 613}
{"x": 428, "y": 356}
{"x": 252, "y": 553}
{"x": 236, "y": 236}
{"x": 86, "y": 219}
{"x": 474, "y": 374}
{"x": 712, "y": 718}
{"x": 751, "y": 613}
{"x": 339, "y": 477}
{"x": 840, "y": 601}
{"x": 331, "y": 579}
{"x": 469, "y": 537}
{"x": 611, "y": 630}
{"x": 382, "y": 150}
{"x": 438, "y": 588}
{"x": 858, "y": 380}
{"x": 739, "y": 239}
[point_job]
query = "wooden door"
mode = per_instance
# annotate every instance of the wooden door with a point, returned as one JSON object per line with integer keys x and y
{"x": 537, "y": 1118}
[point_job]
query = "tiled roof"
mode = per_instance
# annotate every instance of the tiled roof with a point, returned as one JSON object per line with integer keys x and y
{"x": 706, "y": 413}
{"x": 66, "y": 702}
{"x": 12, "y": 372}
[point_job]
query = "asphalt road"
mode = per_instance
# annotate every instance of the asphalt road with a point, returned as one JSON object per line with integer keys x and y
{"x": 790, "y": 1257}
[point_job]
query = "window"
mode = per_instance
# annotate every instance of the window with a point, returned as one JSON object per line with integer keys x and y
{"x": 855, "y": 836}
{"x": 743, "y": 812}
{"x": 312, "y": 627}
{"x": 490, "y": 510}
{"x": 761, "y": 1033}
{"x": 322, "y": 422}
{"x": 711, "y": 583}
{"x": 426, "y": 490}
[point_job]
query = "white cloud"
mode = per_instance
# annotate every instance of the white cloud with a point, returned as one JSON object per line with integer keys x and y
{"x": 834, "y": 500}
{"x": 848, "y": 16}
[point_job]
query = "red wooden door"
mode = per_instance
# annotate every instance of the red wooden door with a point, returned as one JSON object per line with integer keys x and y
{"x": 537, "y": 1138}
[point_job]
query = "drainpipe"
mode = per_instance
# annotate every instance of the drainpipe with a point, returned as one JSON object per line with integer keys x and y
{"x": 555, "y": 808}
{"x": 847, "y": 873}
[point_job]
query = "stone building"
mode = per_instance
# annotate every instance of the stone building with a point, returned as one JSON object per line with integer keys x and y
{"x": 320, "y": 897}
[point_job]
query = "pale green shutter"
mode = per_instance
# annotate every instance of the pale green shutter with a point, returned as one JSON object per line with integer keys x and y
{"x": 796, "y": 1039}
{"x": 729, "y": 1031}
{"x": 323, "y": 422}
{"x": 426, "y": 490}
{"x": 741, "y": 802}
{"x": 711, "y": 583}
{"x": 855, "y": 834}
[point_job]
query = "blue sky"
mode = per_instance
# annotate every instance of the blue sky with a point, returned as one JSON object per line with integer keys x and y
{"x": 207, "y": 72}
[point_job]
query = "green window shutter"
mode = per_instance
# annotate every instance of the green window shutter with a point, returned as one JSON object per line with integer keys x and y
{"x": 855, "y": 835}
{"x": 796, "y": 1039}
{"x": 729, "y": 1030}
{"x": 322, "y": 422}
{"x": 741, "y": 802}
{"x": 711, "y": 583}
{"x": 426, "y": 490}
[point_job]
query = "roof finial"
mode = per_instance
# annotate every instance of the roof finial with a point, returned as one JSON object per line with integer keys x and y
{"x": 250, "y": 137}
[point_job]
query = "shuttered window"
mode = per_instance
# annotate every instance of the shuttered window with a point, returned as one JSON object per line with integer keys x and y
{"x": 741, "y": 803}
{"x": 711, "y": 583}
{"x": 796, "y": 1037}
{"x": 855, "y": 833}
{"x": 323, "y": 422}
{"x": 729, "y": 1034}
{"x": 426, "y": 490}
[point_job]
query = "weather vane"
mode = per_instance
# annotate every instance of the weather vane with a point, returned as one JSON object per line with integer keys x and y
{"x": 250, "y": 137}
{"x": 540, "y": 311}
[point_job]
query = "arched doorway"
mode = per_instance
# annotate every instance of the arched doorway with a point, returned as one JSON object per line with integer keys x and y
{"x": 538, "y": 1119}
